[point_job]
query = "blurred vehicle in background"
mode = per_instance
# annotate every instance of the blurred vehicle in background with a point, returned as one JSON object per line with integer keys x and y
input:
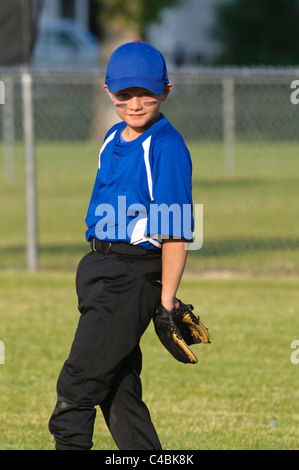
{"x": 62, "y": 44}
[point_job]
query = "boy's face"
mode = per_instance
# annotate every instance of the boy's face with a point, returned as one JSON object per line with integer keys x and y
{"x": 138, "y": 107}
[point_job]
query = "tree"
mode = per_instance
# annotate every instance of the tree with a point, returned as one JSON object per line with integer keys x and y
{"x": 120, "y": 21}
{"x": 254, "y": 32}
{"x": 126, "y": 20}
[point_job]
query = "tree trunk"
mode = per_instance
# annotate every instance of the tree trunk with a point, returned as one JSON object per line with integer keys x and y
{"x": 114, "y": 35}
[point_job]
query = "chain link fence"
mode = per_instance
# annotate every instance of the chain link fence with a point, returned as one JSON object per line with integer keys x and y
{"x": 242, "y": 130}
{"x": 261, "y": 102}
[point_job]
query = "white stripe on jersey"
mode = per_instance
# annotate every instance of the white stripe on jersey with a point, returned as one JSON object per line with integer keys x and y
{"x": 146, "y": 146}
{"x": 111, "y": 137}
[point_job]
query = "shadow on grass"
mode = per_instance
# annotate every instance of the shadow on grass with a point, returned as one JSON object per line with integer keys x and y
{"x": 232, "y": 246}
{"x": 16, "y": 255}
{"x": 62, "y": 256}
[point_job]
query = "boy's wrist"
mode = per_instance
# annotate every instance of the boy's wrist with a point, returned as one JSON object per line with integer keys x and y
{"x": 169, "y": 303}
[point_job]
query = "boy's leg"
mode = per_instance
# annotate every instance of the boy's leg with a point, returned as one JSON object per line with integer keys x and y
{"x": 125, "y": 413}
{"x": 72, "y": 425}
{"x": 116, "y": 302}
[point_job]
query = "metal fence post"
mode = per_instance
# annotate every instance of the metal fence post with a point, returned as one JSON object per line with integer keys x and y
{"x": 9, "y": 131}
{"x": 229, "y": 125}
{"x": 31, "y": 216}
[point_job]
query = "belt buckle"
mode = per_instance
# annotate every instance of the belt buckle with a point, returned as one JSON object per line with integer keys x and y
{"x": 107, "y": 249}
{"x": 93, "y": 246}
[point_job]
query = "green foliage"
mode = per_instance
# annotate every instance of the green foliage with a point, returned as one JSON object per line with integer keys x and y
{"x": 132, "y": 12}
{"x": 258, "y": 32}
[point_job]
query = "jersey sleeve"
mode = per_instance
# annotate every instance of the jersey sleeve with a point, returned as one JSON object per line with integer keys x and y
{"x": 171, "y": 212}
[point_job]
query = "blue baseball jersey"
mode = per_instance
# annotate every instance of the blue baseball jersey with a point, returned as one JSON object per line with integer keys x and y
{"x": 142, "y": 192}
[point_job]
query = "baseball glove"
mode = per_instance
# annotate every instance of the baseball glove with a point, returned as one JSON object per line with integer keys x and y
{"x": 179, "y": 328}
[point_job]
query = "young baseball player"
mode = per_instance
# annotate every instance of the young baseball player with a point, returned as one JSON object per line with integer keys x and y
{"x": 138, "y": 222}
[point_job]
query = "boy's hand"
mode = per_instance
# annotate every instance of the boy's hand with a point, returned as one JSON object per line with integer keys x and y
{"x": 179, "y": 328}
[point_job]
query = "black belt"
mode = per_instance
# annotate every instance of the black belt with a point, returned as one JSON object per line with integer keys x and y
{"x": 121, "y": 248}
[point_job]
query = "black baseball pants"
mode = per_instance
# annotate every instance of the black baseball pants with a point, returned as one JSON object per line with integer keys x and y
{"x": 117, "y": 297}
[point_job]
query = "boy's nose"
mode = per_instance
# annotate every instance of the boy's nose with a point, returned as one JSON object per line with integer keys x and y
{"x": 135, "y": 103}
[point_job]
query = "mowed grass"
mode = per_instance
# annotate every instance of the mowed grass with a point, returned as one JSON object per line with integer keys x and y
{"x": 251, "y": 222}
{"x": 242, "y": 394}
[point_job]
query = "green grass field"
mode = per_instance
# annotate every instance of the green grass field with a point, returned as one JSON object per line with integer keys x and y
{"x": 251, "y": 221}
{"x": 244, "y": 380}
{"x": 243, "y": 393}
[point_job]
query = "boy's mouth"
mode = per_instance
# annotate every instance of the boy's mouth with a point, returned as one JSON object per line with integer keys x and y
{"x": 136, "y": 115}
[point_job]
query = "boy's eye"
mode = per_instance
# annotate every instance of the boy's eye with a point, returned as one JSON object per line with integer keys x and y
{"x": 127, "y": 96}
{"x": 122, "y": 96}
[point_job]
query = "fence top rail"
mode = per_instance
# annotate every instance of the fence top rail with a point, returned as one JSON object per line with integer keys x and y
{"x": 238, "y": 71}
{"x": 244, "y": 71}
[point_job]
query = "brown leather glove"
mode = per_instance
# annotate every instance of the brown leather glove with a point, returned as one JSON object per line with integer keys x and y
{"x": 179, "y": 328}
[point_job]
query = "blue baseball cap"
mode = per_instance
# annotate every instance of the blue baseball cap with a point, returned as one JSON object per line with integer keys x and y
{"x": 136, "y": 64}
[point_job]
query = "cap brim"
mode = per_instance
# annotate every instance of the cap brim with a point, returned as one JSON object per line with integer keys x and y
{"x": 116, "y": 85}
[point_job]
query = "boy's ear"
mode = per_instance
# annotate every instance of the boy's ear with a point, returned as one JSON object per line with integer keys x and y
{"x": 110, "y": 94}
{"x": 167, "y": 90}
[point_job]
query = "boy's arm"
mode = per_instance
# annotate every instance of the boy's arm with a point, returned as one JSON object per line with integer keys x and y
{"x": 174, "y": 257}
